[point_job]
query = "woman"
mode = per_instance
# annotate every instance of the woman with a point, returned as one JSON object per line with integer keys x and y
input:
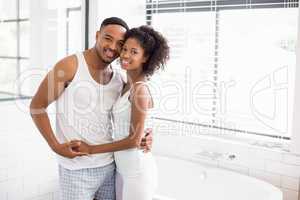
{"x": 144, "y": 51}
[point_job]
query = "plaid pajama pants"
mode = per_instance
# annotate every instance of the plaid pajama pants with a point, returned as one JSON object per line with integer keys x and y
{"x": 87, "y": 184}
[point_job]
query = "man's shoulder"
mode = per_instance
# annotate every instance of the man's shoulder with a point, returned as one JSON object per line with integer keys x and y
{"x": 68, "y": 62}
{"x": 67, "y": 66}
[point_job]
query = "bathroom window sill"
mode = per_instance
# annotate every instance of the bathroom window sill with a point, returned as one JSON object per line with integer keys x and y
{"x": 265, "y": 143}
{"x": 272, "y": 145}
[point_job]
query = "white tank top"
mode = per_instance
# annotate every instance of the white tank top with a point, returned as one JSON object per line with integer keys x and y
{"x": 83, "y": 112}
{"x": 131, "y": 161}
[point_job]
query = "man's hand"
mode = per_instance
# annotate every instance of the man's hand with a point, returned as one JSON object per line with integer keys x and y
{"x": 146, "y": 143}
{"x": 66, "y": 150}
{"x": 81, "y": 147}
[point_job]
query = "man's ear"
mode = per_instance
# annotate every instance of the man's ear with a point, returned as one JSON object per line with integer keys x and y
{"x": 97, "y": 35}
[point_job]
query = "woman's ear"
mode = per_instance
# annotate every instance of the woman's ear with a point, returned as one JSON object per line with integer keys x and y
{"x": 145, "y": 59}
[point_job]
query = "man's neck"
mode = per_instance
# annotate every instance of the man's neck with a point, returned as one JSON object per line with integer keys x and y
{"x": 95, "y": 60}
{"x": 101, "y": 72}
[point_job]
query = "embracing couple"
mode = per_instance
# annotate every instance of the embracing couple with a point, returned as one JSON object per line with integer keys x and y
{"x": 102, "y": 141}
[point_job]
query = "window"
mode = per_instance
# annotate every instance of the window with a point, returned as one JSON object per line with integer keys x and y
{"x": 231, "y": 66}
{"x": 74, "y": 29}
{"x": 14, "y": 40}
{"x": 66, "y": 21}
{"x": 57, "y": 31}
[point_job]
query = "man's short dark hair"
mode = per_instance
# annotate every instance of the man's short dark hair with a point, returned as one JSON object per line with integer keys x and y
{"x": 114, "y": 20}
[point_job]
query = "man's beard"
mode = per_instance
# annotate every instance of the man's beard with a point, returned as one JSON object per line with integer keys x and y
{"x": 101, "y": 58}
{"x": 107, "y": 62}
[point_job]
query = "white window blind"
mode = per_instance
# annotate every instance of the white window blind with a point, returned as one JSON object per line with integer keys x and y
{"x": 231, "y": 67}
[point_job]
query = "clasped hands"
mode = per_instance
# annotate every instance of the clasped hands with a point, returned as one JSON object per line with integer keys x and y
{"x": 76, "y": 148}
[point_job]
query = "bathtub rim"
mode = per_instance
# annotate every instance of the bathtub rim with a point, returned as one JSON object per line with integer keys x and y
{"x": 273, "y": 190}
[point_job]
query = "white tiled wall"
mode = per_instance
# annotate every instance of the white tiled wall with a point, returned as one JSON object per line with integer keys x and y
{"x": 28, "y": 168}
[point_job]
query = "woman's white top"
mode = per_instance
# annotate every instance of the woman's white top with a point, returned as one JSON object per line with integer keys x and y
{"x": 130, "y": 161}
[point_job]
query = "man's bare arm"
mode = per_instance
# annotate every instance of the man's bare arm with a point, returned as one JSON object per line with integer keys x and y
{"x": 49, "y": 90}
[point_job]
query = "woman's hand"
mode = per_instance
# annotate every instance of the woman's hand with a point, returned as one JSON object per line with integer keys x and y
{"x": 81, "y": 147}
{"x": 146, "y": 143}
{"x": 67, "y": 150}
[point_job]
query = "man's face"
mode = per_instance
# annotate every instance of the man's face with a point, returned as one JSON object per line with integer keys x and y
{"x": 109, "y": 41}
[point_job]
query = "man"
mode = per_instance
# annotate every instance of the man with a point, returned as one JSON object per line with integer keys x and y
{"x": 84, "y": 87}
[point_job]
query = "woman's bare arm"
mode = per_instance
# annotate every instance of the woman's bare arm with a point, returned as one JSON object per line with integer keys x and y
{"x": 141, "y": 100}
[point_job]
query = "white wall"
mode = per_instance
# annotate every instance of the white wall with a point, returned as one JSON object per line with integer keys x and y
{"x": 28, "y": 168}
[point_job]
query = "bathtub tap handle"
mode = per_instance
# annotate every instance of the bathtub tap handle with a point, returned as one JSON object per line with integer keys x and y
{"x": 231, "y": 156}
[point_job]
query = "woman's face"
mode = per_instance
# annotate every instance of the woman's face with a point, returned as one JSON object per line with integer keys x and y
{"x": 132, "y": 55}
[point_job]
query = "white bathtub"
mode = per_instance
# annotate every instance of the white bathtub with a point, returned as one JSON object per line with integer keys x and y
{"x": 186, "y": 180}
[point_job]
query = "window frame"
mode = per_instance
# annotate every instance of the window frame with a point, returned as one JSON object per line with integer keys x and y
{"x": 18, "y": 57}
{"x": 173, "y": 6}
{"x": 68, "y": 11}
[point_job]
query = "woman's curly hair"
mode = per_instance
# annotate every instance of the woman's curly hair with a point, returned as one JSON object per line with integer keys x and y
{"x": 155, "y": 47}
